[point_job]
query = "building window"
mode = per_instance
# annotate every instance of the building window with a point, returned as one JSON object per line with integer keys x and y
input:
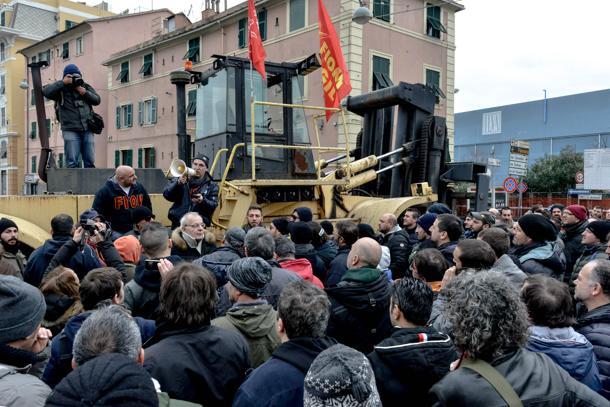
{"x": 433, "y": 80}
{"x": 381, "y": 9}
{"x": 147, "y": 111}
{"x": 262, "y": 24}
{"x": 191, "y": 108}
{"x": 433, "y": 21}
{"x": 45, "y": 56}
{"x": 69, "y": 24}
{"x": 381, "y": 72}
{"x": 147, "y": 66}
{"x": 33, "y": 164}
{"x": 492, "y": 123}
{"x": 79, "y": 46}
{"x": 193, "y": 53}
{"x": 3, "y": 116}
{"x": 65, "y": 53}
{"x": 3, "y": 150}
{"x": 296, "y": 14}
{"x": 146, "y": 157}
{"x": 123, "y": 157}
{"x": 60, "y": 161}
{"x": 3, "y": 19}
{"x": 241, "y": 36}
{"x": 124, "y": 116}
{"x": 33, "y": 130}
{"x": 32, "y": 97}
{"x": 3, "y": 182}
{"x": 2, "y": 51}
{"x": 2, "y": 85}
{"x": 123, "y": 76}
{"x": 48, "y": 126}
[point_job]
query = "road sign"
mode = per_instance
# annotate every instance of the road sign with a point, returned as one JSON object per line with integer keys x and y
{"x": 591, "y": 197}
{"x": 493, "y": 162}
{"x": 580, "y": 177}
{"x": 519, "y": 147}
{"x": 510, "y": 185}
{"x": 517, "y": 164}
{"x": 522, "y": 187}
{"x": 578, "y": 191}
{"x": 517, "y": 171}
{"x": 518, "y": 157}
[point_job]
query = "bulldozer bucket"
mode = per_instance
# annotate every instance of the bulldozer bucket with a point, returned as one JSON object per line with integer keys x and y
{"x": 370, "y": 210}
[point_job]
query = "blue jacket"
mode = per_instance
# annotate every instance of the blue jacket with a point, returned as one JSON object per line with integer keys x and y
{"x": 61, "y": 347}
{"x": 82, "y": 262}
{"x": 569, "y": 350}
{"x": 279, "y": 381}
{"x": 595, "y": 326}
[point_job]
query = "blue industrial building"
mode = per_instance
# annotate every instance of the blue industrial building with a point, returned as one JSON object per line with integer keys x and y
{"x": 581, "y": 120}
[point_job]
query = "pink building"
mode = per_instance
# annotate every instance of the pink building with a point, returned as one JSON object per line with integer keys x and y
{"x": 88, "y": 44}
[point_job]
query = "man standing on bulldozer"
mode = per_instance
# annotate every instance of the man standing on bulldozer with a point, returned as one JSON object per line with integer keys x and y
{"x": 197, "y": 193}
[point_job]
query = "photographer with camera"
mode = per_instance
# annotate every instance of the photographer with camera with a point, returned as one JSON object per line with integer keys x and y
{"x": 73, "y": 106}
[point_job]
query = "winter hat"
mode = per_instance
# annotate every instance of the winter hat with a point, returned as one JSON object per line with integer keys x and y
{"x": 140, "y": 213}
{"x": 366, "y": 230}
{"x": 340, "y": 376}
{"x": 89, "y": 214}
{"x": 304, "y": 213}
{"x": 486, "y": 217}
{"x": 579, "y": 211}
{"x": 250, "y": 275}
{"x": 22, "y": 306}
{"x": 282, "y": 224}
{"x": 425, "y": 221}
{"x": 235, "y": 237}
{"x": 6, "y": 223}
{"x": 556, "y": 206}
{"x": 600, "y": 228}
{"x": 129, "y": 248}
{"x": 328, "y": 227}
{"x": 301, "y": 233}
{"x": 71, "y": 69}
{"x": 110, "y": 379}
{"x": 203, "y": 158}
{"x": 538, "y": 228}
{"x": 439, "y": 208}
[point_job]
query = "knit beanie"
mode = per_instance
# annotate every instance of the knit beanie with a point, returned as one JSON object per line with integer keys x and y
{"x": 22, "y": 307}
{"x": 425, "y": 221}
{"x": 71, "y": 69}
{"x": 6, "y": 223}
{"x": 129, "y": 248}
{"x": 110, "y": 379}
{"x": 600, "y": 228}
{"x": 300, "y": 233}
{"x": 538, "y": 228}
{"x": 340, "y": 376}
{"x": 282, "y": 224}
{"x": 250, "y": 275}
{"x": 579, "y": 211}
{"x": 305, "y": 214}
{"x": 203, "y": 158}
{"x": 328, "y": 227}
{"x": 235, "y": 237}
{"x": 140, "y": 213}
{"x": 439, "y": 208}
{"x": 366, "y": 230}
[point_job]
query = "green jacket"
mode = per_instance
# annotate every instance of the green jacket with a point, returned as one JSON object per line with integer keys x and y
{"x": 256, "y": 321}
{"x": 361, "y": 275}
{"x": 165, "y": 401}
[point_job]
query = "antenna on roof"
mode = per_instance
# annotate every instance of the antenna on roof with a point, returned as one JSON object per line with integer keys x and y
{"x": 189, "y": 12}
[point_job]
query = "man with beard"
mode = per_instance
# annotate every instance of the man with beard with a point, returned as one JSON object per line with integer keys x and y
{"x": 11, "y": 258}
{"x": 573, "y": 224}
{"x": 198, "y": 193}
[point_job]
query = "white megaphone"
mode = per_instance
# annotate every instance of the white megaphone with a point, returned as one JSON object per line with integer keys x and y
{"x": 178, "y": 168}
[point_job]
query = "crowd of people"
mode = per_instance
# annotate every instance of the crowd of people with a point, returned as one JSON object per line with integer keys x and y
{"x": 426, "y": 308}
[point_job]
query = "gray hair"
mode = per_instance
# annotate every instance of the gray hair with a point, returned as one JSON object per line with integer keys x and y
{"x": 260, "y": 243}
{"x": 235, "y": 237}
{"x": 601, "y": 274}
{"x": 284, "y": 247}
{"x": 304, "y": 310}
{"x": 108, "y": 330}
{"x": 183, "y": 219}
{"x": 488, "y": 317}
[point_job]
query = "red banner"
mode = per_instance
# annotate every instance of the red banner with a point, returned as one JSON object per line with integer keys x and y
{"x": 335, "y": 77}
{"x": 255, "y": 45}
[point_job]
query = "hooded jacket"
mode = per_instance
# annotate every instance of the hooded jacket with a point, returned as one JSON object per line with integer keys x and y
{"x": 204, "y": 365}
{"x": 536, "y": 379}
{"x": 595, "y": 326}
{"x": 219, "y": 261}
{"x": 18, "y": 385}
{"x": 409, "y": 363}
{"x": 589, "y": 253}
{"x": 303, "y": 268}
{"x": 306, "y": 251}
{"x": 570, "y": 350}
{"x": 74, "y": 109}
{"x": 81, "y": 262}
{"x": 338, "y": 267}
{"x": 540, "y": 258}
{"x": 280, "y": 380}
{"x": 573, "y": 247}
{"x": 61, "y": 347}
{"x": 506, "y": 266}
{"x": 180, "y": 195}
{"x": 142, "y": 293}
{"x": 359, "y": 315}
{"x": 181, "y": 248}
{"x": 256, "y": 321}
{"x": 115, "y": 206}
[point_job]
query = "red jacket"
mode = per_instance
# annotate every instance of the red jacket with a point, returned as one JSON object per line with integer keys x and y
{"x": 303, "y": 268}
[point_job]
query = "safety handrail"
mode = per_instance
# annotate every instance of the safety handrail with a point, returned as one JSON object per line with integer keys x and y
{"x": 216, "y": 158}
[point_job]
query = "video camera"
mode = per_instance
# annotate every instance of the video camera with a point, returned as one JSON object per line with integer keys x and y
{"x": 77, "y": 80}
{"x": 88, "y": 226}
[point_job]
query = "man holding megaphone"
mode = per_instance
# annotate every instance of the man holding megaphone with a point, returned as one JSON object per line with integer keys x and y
{"x": 192, "y": 190}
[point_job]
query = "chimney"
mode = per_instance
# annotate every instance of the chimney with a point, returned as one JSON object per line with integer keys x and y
{"x": 208, "y": 13}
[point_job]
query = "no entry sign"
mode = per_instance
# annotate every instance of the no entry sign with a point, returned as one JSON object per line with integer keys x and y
{"x": 510, "y": 185}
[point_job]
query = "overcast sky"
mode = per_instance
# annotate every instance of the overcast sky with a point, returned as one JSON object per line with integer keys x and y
{"x": 508, "y": 51}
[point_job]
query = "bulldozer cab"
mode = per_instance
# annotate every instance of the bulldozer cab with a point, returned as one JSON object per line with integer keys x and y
{"x": 224, "y": 119}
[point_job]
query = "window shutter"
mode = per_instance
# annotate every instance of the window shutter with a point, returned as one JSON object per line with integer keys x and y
{"x": 262, "y": 24}
{"x": 140, "y": 113}
{"x": 140, "y": 153}
{"x": 118, "y": 117}
{"x": 128, "y": 120}
{"x": 153, "y": 103}
{"x": 129, "y": 157}
{"x": 151, "y": 158}
{"x": 117, "y": 158}
{"x": 241, "y": 36}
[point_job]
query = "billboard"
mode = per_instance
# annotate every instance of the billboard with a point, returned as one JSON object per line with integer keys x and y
{"x": 597, "y": 169}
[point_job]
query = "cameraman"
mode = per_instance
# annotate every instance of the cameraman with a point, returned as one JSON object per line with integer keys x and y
{"x": 74, "y": 98}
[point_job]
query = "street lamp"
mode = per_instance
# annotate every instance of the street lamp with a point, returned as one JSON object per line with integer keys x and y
{"x": 362, "y": 14}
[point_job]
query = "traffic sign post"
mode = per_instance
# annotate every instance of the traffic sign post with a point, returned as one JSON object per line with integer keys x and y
{"x": 510, "y": 185}
{"x": 580, "y": 177}
{"x": 518, "y": 159}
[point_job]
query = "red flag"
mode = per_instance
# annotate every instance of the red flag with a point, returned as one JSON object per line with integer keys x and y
{"x": 255, "y": 45}
{"x": 335, "y": 77}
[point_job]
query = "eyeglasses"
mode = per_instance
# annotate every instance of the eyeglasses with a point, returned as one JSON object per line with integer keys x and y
{"x": 196, "y": 225}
